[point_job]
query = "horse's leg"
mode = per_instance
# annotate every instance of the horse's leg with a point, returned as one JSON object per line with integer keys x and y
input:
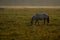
{"x": 44, "y": 20}
{"x": 47, "y": 20}
{"x": 38, "y": 22}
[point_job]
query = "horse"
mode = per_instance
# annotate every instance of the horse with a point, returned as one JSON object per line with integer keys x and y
{"x": 38, "y": 17}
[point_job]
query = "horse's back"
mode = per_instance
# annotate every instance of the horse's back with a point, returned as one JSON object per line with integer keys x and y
{"x": 41, "y": 16}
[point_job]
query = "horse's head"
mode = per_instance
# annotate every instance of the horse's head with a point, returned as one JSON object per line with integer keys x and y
{"x": 32, "y": 20}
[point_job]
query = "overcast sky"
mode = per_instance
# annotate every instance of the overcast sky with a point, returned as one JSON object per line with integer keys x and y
{"x": 29, "y": 2}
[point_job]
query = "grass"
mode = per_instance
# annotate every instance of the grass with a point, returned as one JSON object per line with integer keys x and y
{"x": 14, "y": 24}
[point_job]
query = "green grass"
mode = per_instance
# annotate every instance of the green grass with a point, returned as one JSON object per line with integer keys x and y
{"x": 14, "y": 24}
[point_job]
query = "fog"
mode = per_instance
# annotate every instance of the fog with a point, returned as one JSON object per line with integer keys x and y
{"x": 29, "y": 2}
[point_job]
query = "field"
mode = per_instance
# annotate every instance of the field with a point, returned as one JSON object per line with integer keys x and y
{"x": 15, "y": 24}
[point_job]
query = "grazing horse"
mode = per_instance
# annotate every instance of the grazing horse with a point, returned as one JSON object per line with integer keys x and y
{"x": 38, "y": 17}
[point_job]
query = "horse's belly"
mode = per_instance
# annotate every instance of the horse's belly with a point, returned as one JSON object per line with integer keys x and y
{"x": 41, "y": 18}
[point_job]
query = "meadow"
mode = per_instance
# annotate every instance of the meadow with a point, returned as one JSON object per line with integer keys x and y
{"x": 15, "y": 24}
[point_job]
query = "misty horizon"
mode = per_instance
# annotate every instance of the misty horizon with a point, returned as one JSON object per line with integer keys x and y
{"x": 29, "y": 6}
{"x": 29, "y": 2}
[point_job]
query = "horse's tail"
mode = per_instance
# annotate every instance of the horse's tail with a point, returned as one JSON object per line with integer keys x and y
{"x": 48, "y": 19}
